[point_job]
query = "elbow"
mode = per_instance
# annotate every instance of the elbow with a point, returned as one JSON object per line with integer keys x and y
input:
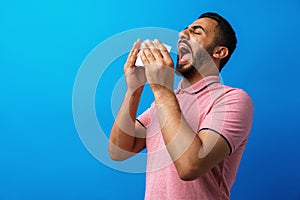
{"x": 114, "y": 154}
{"x": 189, "y": 173}
{"x": 116, "y": 157}
{"x": 117, "y": 154}
{"x": 187, "y": 176}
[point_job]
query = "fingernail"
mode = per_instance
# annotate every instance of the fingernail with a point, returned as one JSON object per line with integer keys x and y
{"x": 157, "y": 41}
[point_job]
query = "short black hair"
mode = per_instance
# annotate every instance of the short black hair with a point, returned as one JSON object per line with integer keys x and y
{"x": 225, "y": 35}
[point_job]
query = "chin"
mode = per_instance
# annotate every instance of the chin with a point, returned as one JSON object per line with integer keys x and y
{"x": 185, "y": 70}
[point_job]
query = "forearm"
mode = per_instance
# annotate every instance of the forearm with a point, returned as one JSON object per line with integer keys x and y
{"x": 122, "y": 135}
{"x": 182, "y": 142}
{"x": 193, "y": 153}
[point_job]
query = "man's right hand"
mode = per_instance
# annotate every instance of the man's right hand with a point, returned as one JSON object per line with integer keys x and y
{"x": 127, "y": 137}
{"x": 135, "y": 76}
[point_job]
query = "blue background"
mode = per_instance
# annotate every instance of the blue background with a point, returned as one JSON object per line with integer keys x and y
{"x": 42, "y": 45}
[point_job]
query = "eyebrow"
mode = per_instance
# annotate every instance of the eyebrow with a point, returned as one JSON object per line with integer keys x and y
{"x": 196, "y": 27}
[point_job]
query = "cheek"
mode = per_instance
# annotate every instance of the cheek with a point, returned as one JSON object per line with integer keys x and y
{"x": 200, "y": 42}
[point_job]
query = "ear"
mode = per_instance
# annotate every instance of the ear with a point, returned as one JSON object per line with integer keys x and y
{"x": 220, "y": 52}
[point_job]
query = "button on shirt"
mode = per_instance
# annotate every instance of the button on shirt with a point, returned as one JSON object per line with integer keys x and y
{"x": 206, "y": 105}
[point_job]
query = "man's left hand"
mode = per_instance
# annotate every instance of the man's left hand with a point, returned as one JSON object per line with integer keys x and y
{"x": 159, "y": 66}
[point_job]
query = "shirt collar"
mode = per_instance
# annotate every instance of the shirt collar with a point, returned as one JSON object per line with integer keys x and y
{"x": 198, "y": 86}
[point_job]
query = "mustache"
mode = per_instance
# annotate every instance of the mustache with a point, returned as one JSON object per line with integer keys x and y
{"x": 184, "y": 41}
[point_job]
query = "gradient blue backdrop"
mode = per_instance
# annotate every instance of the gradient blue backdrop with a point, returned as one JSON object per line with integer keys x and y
{"x": 42, "y": 45}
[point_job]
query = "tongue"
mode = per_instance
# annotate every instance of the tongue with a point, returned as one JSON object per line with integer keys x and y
{"x": 186, "y": 57}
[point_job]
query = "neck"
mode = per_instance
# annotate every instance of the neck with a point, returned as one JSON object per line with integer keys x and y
{"x": 186, "y": 82}
{"x": 198, "y": 75}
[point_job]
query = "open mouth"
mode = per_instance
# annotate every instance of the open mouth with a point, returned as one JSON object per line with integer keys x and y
{"x": 184, "y": 53}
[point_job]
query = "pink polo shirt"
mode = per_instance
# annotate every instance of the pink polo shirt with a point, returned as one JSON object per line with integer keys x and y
{"x": 205, "y": 105}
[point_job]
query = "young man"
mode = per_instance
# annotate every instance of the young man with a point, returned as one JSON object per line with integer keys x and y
{"x": 195, "y": 135}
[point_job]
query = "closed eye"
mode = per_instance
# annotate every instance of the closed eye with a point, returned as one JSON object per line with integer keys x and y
{"x": 197, "y": 29}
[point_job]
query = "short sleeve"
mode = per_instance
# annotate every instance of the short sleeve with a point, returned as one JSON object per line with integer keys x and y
{"x": 144, "y": 118}
{"x": 231, "y": 117}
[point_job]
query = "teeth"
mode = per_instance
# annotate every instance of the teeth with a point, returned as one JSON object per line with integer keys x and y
{"x": 181, "y": 47}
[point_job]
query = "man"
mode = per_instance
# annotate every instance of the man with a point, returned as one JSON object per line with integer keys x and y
{"x": 195, "y": 135}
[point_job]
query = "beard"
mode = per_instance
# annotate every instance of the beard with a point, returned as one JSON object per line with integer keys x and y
{"x": 199, "y": 59}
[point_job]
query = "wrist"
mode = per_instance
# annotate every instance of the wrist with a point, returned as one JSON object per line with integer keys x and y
{"x": 136, "y": 92}
{"x": 157, "y": 87}
{"x": 160, "y": 91}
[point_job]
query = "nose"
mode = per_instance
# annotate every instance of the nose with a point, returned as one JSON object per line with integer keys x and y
{"x": 185, "y": 34}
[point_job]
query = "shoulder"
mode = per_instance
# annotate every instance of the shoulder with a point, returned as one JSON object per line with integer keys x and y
{"x": 237, "y": 115}
{"x": 233, "y": 100}
{"x": 237, "y": 96}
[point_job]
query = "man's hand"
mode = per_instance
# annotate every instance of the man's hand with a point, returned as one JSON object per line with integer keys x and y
{"x": 158, "y": 65}
{"x": 135, "y": 76}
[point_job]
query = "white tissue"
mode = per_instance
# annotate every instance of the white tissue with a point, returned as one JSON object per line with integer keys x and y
{"x": 139, "y": 62}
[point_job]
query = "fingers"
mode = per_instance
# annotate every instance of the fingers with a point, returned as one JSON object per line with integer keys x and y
{"x": 133, "y": 54}
{"x": 163, "y": 50}
{"x": 135, "y": 49}
{"x": 164, "y": 53}
{"x": 154, "y": 50}
{"x": 146, "y": 54}
{"x": 137, "y": 45}
{"x": 132, "y": 57}
{"x": 156, "y": 53}
{"x": 150, "y": 54}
